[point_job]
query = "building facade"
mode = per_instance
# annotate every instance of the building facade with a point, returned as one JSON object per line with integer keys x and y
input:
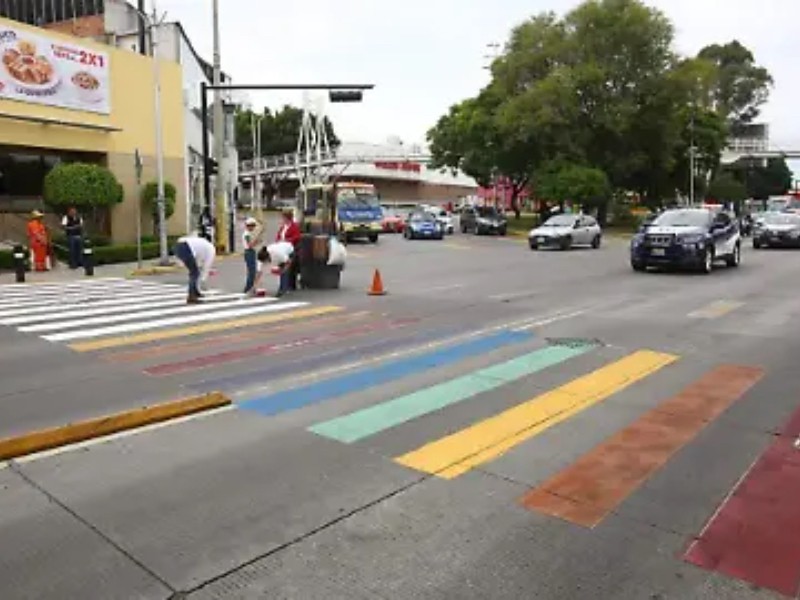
{"x": 84, "y": 101}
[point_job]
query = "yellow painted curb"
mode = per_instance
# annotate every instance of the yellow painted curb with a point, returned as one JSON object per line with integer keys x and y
{"x": 47, "y": 439}
{"x": 153, "y": 271}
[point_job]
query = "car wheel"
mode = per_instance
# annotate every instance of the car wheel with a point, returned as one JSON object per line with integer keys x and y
{"x": 756, "y": 244}
{"x": 566, "y": 243}
{"x": 735, "y": 258}
{"x": 373, "y": 238}
{"x": 533, "y": 245}
{"x": 596, "y": 241}
{"x": 463, "y": 228}
{"x": 502, "y": 231}
{"x": 638, "y": 266}
{"x": 708, "y": 262}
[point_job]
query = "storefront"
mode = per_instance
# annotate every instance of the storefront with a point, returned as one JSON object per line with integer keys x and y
{"x": 68, "y": 99}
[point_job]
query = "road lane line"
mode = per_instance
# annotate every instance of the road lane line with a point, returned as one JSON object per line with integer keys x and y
{"x": 159, "y": 323}
{"x": 220, "y": 358}
{"x": 79, "y": 299}
{"x": 446, "y": 288}
{"x": 753, "y": 534}
{"x": 34, "y": 284}
{"x": 95, "y": 287}
{"x": 328, "y": 389}
{"x": 456, "y": 454}
{"x": 177, "y": 348}
{"x": 716, "y": 309}
{"x": 375, "y": 419}
{"x": 597, "y": 483}
{"x": 167, "y": 334}
{"x": 145, "y": 311}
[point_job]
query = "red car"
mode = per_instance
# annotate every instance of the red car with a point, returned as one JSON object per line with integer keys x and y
{"x": 392, "y": 222}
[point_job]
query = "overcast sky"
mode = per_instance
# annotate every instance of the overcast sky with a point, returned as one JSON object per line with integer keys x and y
{"x": 424, "y": 55}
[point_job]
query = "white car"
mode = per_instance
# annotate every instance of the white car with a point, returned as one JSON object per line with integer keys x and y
{"x": 565, "y": 231}
{"x": 444, "y": 218}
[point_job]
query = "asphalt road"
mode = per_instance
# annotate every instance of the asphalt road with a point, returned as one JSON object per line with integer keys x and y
{"x": 502, "y": 424}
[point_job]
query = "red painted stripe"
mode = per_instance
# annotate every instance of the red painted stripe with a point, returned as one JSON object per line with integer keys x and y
{"x": 755, "y": 535}
{"x": 208, "y": 360}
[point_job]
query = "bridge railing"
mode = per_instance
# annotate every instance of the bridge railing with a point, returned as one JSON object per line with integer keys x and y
{"x": 291, "y": 160}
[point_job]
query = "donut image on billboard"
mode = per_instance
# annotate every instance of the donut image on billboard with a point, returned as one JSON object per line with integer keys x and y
{"x": 38, "y": 69}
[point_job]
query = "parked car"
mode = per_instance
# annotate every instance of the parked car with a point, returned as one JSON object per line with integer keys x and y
{"x": 483, "y": 220}
{"x": 565, "y": 231}
{"x": 392, "y": 221}
{"x": 777, "y": 230}
{"x": 693, "y": 238}
{"x": 423, "y": 225}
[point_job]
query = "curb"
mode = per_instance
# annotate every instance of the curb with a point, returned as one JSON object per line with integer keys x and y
{"x": 147, "y": 271}
{"x": 65, "y": 435}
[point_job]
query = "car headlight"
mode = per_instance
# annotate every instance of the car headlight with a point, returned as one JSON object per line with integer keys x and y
{"x": 483, "y": 221}
{"x": 637, "y": 240}
{"x": 795, "y": 233}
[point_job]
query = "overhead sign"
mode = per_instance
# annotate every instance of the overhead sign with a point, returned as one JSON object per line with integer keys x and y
{"x": 40, "y": 69}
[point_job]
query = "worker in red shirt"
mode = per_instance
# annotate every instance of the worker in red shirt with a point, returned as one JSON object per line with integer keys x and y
{"x": 289, "y": 232}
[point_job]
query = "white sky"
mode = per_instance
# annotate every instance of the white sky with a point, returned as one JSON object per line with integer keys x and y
{"x": 424, "y": 55}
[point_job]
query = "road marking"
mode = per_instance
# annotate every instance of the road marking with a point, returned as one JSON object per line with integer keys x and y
{"x": 753, "y": 534}
{"x": 446, "y": 288}
{"x": 455, "y": 246}
{"x": 315, "y": 393}
{"x": 158, "y": 323}
{"x": 587, "y": 491}
{"x": 716, "y": 309}
{"x": 238, "y": 354}
{"x": 87, "y": 287}
{"x": 144, "y": 311}
{"x": 155, "y": 336}
{"x": 375, "y": 419}
{"x": 456, "y": 454}
{"x": 516, "y": 295}
{"x": 86, "y": 297}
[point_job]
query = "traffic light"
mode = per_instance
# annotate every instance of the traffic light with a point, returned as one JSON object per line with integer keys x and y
{"x": 212, "y": 166}
{"x": 345, "y": 95}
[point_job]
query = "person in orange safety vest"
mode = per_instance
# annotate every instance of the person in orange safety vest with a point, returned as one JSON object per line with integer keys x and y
{"x": 39, "y": 241}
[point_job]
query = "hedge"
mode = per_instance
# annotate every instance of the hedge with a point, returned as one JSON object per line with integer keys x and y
{"x": 103, "y": 255}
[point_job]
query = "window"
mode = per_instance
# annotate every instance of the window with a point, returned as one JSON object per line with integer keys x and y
{"x": 589, "y": 222}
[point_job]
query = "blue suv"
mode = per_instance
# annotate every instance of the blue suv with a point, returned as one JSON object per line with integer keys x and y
{"x": 692, "y": 238}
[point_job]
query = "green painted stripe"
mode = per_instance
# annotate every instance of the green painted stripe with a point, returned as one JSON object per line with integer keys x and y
{"x": 369, "y": 421}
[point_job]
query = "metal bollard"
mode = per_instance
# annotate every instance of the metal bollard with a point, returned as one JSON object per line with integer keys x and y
{"x": 19, "y": 263}
{"x": 88, "y": 258}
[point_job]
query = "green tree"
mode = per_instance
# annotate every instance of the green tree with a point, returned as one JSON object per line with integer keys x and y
{"x": 726, "y": 188}
{"x": 82, "y": 185}
{"x": 742, "y": 86}
{"x": 761, "y": 182}
{"x": 149, "y": 199}
{"x": 587, "y": 186}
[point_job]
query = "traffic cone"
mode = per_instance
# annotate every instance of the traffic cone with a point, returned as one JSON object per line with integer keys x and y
{"x": 377, "y": 285}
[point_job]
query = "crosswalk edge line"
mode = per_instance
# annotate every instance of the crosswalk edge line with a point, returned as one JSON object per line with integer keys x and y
{"x": 455, "y": 454}
{"x": 165, "y": 334}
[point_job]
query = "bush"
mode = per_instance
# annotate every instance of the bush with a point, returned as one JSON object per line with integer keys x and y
{"x": 81, "y": 185}
{"x": 150, "y": 196}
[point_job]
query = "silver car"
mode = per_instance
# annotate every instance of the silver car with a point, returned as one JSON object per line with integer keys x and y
{"x": 565, "y": 231}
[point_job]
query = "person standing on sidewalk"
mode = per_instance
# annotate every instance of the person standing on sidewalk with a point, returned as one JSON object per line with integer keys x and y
{"x": 198, "y": 255}
{"x": 39, "y": 242}
{"x": 250, "y": 241}
{"x": 73, "y": 229}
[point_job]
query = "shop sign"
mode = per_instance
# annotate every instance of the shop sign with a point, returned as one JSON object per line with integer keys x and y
{"x": 399, "y": 166}
{"x": 46, "y": 70}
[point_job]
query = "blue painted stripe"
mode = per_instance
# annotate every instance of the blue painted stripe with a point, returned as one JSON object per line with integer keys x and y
{"x": 292, "y": 365}
{"x": 315, "y": 393}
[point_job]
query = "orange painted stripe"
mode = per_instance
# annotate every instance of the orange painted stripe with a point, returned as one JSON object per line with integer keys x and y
{"x": 228, "y": 338}
{"x": 602, "y": 479}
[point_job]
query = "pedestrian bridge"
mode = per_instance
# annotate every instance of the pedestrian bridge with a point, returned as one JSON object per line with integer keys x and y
{"x": 743, "y": 150}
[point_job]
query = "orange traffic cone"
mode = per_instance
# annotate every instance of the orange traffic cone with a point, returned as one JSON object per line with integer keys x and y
{"x": 377, "y": 285}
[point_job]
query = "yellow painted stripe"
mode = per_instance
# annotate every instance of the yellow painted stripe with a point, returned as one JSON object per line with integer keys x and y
{"x": 456, "y": 454}
{"x": 456, "y": 246}
{"x": 716, "y": 309}
{"x": 168, "y": 334}
{"x": 47, "y": 439}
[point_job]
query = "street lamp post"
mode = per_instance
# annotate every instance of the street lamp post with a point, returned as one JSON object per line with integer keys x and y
{"x": 161, "y": 200}
{"x": 256, "y": 127}
{"x": 219, "y": 136}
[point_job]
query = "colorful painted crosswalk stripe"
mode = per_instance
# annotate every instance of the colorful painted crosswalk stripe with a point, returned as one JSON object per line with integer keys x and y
{"x": 456, "y": 454}
{"x": 369, "y": 421}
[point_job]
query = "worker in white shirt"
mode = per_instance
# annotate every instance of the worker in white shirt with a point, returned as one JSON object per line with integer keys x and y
{"x": 250, "y": 241}
{"x": 198, "y": 255}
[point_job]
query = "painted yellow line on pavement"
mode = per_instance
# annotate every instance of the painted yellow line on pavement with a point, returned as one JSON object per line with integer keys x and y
{"x": 47, "y": 439}
{"x": 168, "y": 334}
{"x": 716, "y": 309}
{"x": 455, "y": 246}
{"x": 456, "y": 454}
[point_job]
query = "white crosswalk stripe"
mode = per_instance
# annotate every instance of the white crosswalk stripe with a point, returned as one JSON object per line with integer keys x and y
{"x": 109, "y": 306}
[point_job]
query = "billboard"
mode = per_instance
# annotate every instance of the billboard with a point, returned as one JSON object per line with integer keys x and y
{"x": 40, "y": 69}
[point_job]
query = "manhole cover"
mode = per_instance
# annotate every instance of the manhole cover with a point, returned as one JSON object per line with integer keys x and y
{"x": 574, "y": 342}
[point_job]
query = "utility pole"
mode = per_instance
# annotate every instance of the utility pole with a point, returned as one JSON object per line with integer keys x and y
{"x": 160, "y": 200}
{"x": 692, "y": 151}
{"x": 256, "y": 126}
{"x": 219, "y": 140}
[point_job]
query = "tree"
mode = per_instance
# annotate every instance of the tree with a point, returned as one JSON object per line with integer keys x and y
{"x": 587, "y": 186}
{"x": 149, "y": 197}
{"x": 742, "y": 86}
{"x": 761, "y": 182}
{"x": 82, "y": 185}
{"x": 726, "y": 188}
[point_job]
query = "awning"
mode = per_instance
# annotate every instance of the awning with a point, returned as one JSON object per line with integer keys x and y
{"x": 58, "y": 122}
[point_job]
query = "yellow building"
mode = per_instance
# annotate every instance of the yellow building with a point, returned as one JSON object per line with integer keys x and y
{"x": 64, "y": 98}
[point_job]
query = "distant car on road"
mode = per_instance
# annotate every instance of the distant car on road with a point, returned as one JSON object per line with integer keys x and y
{"x": 777, "y": 230}
{"x": 393, "y": 221}
{"x": 423, "y": 225}
{"x": 443, "y": 217}
{"x": 483, "y": 220}
{"x": 692, "y": 238}
{"x": 566, "y": 231}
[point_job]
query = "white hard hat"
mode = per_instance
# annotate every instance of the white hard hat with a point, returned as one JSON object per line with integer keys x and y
{"x": 251, "y": 221}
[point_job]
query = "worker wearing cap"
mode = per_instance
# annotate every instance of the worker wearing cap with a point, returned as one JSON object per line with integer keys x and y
{"x": 250, "y": 240}
{"x": 39, "y": 242}
{"x": 197, "y": 254}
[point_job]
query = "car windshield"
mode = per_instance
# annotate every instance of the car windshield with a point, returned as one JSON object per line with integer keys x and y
{"x": 781, "y": 219}
{"x": 488, "y": 212}
{"x": 422, "y": 218}
{"x": 560, "y": 221}
{"x": 358, "y": 198}
{"x": 682, "y": 218}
